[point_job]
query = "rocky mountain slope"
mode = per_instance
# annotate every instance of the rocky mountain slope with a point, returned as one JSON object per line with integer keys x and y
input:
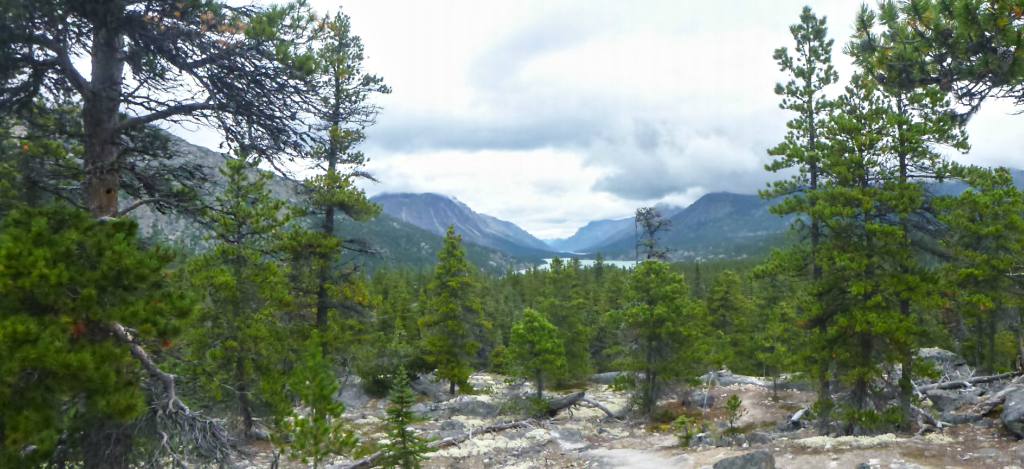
{"x": 716, "y": 225}
{"x": 435, "y": 213}
{"x": 394, "y": 242}
{"x": 601, "y": 232}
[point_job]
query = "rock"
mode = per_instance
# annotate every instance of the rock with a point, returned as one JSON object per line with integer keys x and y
{"x": 754, "y": 460}
{"x": 1013, "y": 412}
{"x": 606, "y": 378}
{"x": 759, "y": 438}
{"x": 950, "y": 365}
{"x": 727, "y": 378}
{"x": 950, "y": 400}
{"x": 472, "y": 407}
{"x": 430, "y": 387}
{"x": 352, "y": 394}
{"x": 698, "y": 399}
{"x": 450, "y": 428}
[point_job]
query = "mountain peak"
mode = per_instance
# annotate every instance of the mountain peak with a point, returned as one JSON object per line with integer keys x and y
{"x": 436, "y": 212}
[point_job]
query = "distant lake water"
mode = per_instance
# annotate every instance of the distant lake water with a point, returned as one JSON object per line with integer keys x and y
{"x": 588, "y": 263}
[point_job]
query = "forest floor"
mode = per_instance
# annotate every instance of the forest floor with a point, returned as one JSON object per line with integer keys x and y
{"x": 584, "y": 436}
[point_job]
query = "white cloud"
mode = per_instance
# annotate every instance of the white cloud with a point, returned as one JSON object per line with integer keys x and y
{"x": 552, "y": 114}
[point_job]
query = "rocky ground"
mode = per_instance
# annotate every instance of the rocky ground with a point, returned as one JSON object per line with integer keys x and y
{"x": 585, "y": 436}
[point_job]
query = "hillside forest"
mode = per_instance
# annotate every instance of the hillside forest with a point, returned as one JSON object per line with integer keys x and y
{"x": 127, "y": 349}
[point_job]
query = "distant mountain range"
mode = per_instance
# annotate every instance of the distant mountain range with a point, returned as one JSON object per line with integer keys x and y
{"x": 409, "y": 232}
{"x": 717, "y": 225}
{"x": 598, "y": 233}
{"x": 394, "y": 243}
{"x": 435, "y": 213}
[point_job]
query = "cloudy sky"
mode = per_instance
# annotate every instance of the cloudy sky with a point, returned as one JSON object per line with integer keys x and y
{"x": 551, "y": 114}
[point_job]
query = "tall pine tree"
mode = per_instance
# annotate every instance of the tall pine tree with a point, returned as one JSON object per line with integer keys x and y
{"x": 453, "y": 315}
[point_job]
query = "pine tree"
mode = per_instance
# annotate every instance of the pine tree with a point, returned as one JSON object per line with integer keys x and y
{"x": 404, "y": 449}
{"x": 453, "y": 315}
{"x": 664, "y": 331}
{"x": 917, "y": 121}
{"x": 986, "y": 240}
{"x": 731, "y": 316}
{"x": 247, "y": 70}
{"x": 66, "y": 278}
{"x": 345, "y": 114}
{"x": 563, "y": 302}
{"x": 319, "y": 432}
{"x": 238, "y": 342}
{"x": 965, "y": 47}
{"x": 537, "y": 350}
{"x": 810, "y": 68}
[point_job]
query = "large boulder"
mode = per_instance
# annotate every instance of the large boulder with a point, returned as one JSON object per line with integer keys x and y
{"x": 352, "y": 393}
{"x": 429, "y": 386}
{"x": 471, "y": 406}
{"x": 951, "y": 367}
{"x": 754, "y": 460}
{"x": 948, "y": 400}
{"x": 607, "y": 377}
{"x": 698, "y": 399}
{"x": 728, "y": 378}
{"x": 1013, "y": 412}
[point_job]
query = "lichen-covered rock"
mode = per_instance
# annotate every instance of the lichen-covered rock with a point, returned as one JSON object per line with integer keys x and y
{"x": 698, "y": 399}
{"x": 949, "y": 400}
{"x": 1013, "y": 412}
{"x": 951, "y": 367}
{"x": 754, "y": 460}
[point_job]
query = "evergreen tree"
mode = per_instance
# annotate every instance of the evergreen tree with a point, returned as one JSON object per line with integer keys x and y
{"x": 453, "y": 315}
{"x": 809, "y": 66}
{"x": 68, "y": 384}
{"x": 320, "y": 431}
{"x": 537, "y": 349}
{"x": 238, "y": 341}
{"x": 344, "y": 114}
{"x": 563, "y": 302}
{"x": 917, "y": 121}
{"x": 664, "y": 331}
{"x": 404, "y": 449}
{"x": 248, "y": 72}
{"x": 969, "y": 48}
{"x": 987, "y": 243}
{"x": 649, "y": 225}
{"x": 731, "y": 316}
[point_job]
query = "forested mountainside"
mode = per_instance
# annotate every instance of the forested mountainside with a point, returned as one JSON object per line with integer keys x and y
{"x": 162, "y": 305}
{"x": 388, "y": 241}
{"x": 435, "y": 213}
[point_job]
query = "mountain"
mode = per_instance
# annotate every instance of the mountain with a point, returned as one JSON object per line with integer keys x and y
{"x": 601, "y": 232}
{"x": 435, "y": 213}
{"x": 719, "y": 224}
{"x": 393, "y": 243}
{"x": 592, "y": 234}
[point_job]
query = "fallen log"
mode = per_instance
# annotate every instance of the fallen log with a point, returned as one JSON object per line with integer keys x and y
{"x": 374, "y": 459}
{"x": 983, "y": 408}
{"x": 602, "y": 408}
{"x": 557, "y": 405}
{"x": 967, "y": 382}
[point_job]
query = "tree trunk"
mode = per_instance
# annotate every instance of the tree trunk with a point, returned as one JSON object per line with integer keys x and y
{"x": 540, "y": 385}
{"x": 242, "y": 390}
{"x": 906, "y": 383}
{"x": 100, "y": 118}
{"x": 333, "y": 154}
{"x": 451, "y": 387}
{"x": 106, "y": 445}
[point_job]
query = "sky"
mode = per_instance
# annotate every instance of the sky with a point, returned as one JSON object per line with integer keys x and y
{"x": 551, "y": 114}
